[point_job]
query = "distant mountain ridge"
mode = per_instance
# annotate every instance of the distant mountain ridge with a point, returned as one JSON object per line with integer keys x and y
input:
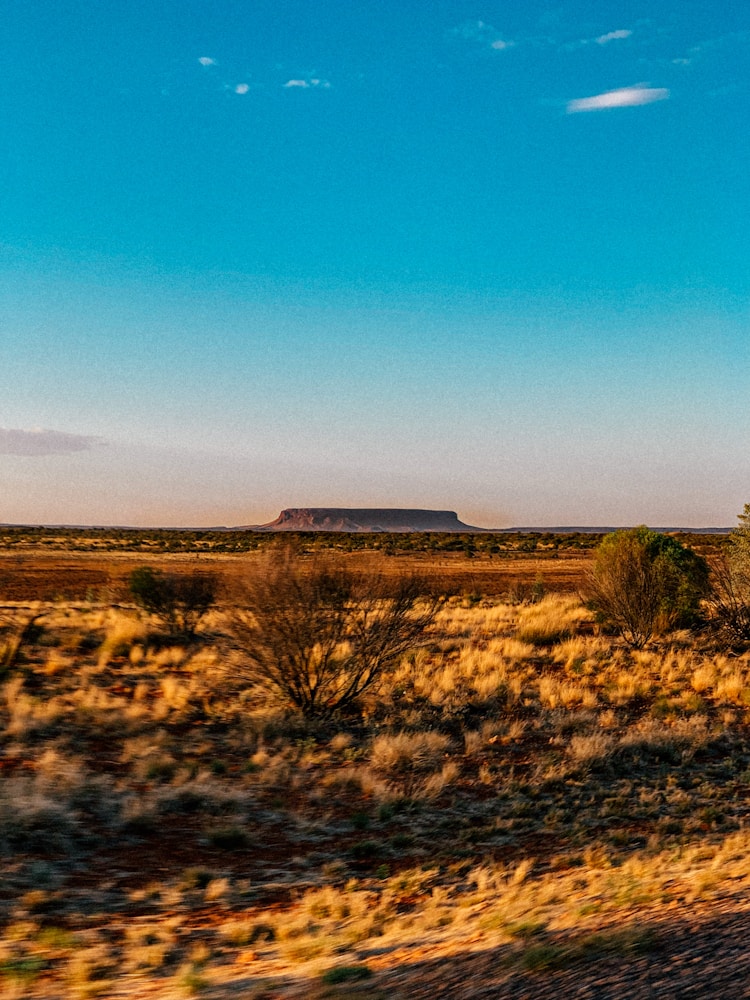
{"x": 365, "y": 519}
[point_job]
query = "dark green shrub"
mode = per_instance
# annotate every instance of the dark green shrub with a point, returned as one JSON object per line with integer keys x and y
{"x": 229, "y": 838}
{"x": 22, "y": 970}
{"x": 364, "y": 849}
{"x": 643, "y": 583}
{"x": 179, "y": 602}
{"x": 345, "y": 974}
{"x": 739, "y": 542}
{"x": 196, "y": 878}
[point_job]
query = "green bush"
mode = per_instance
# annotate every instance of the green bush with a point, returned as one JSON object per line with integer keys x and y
{"x": 179, "y": 602}
{"x": 643, "y": 583}
{"x": 346, "y": 974}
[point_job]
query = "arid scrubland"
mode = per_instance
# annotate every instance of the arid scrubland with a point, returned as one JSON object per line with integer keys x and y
{"x": 520, "y": 789}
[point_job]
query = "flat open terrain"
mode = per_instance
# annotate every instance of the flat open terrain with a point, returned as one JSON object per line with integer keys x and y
{"x": 34, "y": 575}
{"x": 522, "y": 808}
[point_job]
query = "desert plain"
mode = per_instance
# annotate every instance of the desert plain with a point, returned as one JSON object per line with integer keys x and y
{"x": 522, "y": 806}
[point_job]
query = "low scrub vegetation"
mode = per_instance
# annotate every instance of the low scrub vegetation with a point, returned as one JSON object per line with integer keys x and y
{"x": 321, "y": 636}
{"x": 178, "y": 602}
{"x": 643, "y": 583}
{"x": 457, "y": 774}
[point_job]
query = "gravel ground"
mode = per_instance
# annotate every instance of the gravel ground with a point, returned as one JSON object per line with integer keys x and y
{"x": 704, "y": 954}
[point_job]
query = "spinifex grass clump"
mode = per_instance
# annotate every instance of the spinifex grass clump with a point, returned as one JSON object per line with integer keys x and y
{"x": 412, "y": 765}
{"x": 552, "y": 619}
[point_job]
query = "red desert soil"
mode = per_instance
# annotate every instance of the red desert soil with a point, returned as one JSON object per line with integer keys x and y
{"x": 49, "y": 576}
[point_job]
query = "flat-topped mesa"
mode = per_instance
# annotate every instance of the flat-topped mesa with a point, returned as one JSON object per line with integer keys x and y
{"x": 370, "y": 519}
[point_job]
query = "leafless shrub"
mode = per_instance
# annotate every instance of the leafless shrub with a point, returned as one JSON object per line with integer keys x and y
{"x": 46, "y": 805}
{"x": 729, "y": 600}
{"x": 321, "y": 635}
{"x": 13, "y": 635}
{"x": 652, "y": 738}
{"x": 199, "y": 794}
{"x": 590, "y": 749}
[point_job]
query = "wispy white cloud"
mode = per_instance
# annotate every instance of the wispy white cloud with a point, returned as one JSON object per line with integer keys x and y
{"x": 206, "y": 61}
{"x": 485, "y": 34}
{"x": 613, "y": 36}
{"x": 610, "y": 36}
{"x": 625, "y": 97}
{"x": 308, "y": 83}
{"x": 242, "y": 88}
{"x": 44, "y": 442}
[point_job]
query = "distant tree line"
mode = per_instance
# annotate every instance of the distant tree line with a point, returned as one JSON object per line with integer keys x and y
{"x": 175, "y": 540}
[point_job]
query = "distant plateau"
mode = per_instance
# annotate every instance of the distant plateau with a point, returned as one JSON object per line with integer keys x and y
{"x": 365, "y": 519}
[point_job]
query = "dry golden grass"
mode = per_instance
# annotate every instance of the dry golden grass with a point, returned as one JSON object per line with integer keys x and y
{"x": 554, "y": 618}
{"x": 168, "y": 825}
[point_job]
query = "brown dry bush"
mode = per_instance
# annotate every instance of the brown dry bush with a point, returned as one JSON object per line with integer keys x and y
{"x": 321, "y": 635}
{"x": 13, "y": 634}
{"x": 729, "y": 600}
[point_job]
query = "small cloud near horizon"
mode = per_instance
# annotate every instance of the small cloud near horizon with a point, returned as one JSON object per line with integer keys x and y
{"x": 242, "y": 88}
{"x": 206, "y": 61}
{"x": 625, "y": 97}
{"x": 44, "y": 442}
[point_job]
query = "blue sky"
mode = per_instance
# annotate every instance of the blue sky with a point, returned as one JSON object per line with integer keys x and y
{"x": 491, "y": 257}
